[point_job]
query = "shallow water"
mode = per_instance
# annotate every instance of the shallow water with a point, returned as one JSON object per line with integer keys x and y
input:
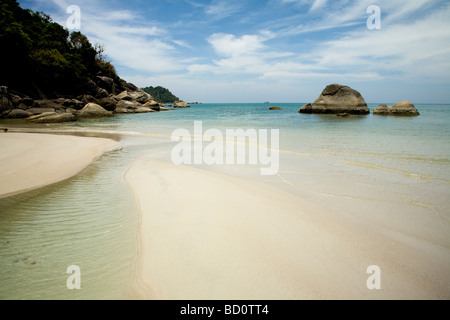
{"x": 397, "y": 167}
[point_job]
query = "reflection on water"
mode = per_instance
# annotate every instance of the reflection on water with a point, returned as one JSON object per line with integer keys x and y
{"x": 89, "y": 221}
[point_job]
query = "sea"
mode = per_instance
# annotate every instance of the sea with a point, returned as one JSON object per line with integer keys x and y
{"x": 372, "y": 168}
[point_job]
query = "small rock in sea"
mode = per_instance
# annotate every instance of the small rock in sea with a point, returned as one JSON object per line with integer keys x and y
{"x": 275, "y": 108}
{"x": 343, "y": 115}
{"x": 403, "y": 108}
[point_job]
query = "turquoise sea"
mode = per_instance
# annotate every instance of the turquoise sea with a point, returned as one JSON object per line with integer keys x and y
{"x": 367, "y": 167}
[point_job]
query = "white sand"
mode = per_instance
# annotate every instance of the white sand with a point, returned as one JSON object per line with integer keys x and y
{"x": 204, "y": 235}
{"x": 30, "y": 161}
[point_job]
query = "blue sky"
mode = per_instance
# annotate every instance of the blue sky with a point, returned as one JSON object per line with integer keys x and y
{"x": 271, "y": 50}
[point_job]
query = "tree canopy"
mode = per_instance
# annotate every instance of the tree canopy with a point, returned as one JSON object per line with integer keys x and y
{"x": 41, "y": 56}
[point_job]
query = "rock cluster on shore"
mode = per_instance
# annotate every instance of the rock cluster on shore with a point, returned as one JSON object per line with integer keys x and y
{"x": 103, "y": 99}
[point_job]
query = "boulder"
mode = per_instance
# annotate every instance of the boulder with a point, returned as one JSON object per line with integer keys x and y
{"x": 403, "y": 108}
{"x": 15, "y": 99}
{"x": 108, "y": 103}
{"x": 307, "y": 108}
{"x": 152, "y": 104}
{"x": 72, "y": 111}
{"x": 92, "y": 110}
{"x": 46, "y": 104}
{"x": 53, "y": 118}
{"x": 18, "y": 114}
{"x": 275, "y": 108}
{"x": 124, "y": 96}
{"x": 106, "y": 83}
{"x": 74, "y": 104}
{"x": 37, "y": 111}
{"x": 101, "y": 93}
{"x": 125, "y": 106}
{"x": 22, "y": 106}
{"x": 336, "y": 99}
{"x": 181, "y": 104}
{"x": 27, "y": 101}
{"x": 140, "y": 96}
{"x": 5, "y": 101}
{"x": 343, "y": 115}
{"x": 144, "y": 110}
{"x": 42, "y": 115}
{"x": 126, "y": 86}
{"x": 132, "y": 107}
{"x": 87, "y": 99}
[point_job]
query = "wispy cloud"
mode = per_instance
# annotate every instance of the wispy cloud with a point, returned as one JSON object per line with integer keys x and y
{"x": 219, "y": 9}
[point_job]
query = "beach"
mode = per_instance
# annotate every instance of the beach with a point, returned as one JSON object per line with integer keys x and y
{"x": 30, "y": 161}
{"x": 142, "y": 227}
{"x": 204, "y": 235}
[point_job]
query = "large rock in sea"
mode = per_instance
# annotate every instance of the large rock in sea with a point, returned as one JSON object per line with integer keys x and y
{"x": 337, "y": 98}
{"x": 180, "y": 105}
{"x": 403, "y": 108}
{"x": 92, "y": 110}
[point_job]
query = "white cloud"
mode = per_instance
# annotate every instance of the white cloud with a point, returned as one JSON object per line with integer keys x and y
{"x": 318, "y": 4}
{"x": 220, "y": 9}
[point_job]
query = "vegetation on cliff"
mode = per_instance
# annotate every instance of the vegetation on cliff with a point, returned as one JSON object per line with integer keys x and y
{"x": 41, "y": 58}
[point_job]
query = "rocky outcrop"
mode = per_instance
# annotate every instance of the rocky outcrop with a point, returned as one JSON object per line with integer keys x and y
{"x": 124, "y": 96}
{"x": 180, "y": 104}
{"x": 92, "y": 110}
{"x": 5, "y": 101}
{"x": 99, "y": 100}
{"x": 275, "y": 108}
{"x": 403, "y": 108}
{"x": 153, "y": 104}
{"x": 140, "y": 96}
{"x": 18, "y": 114}
{"x": 336, "y": 99}
{"x": 124, "y": 106}
{"x": 109, "y": 103}
{"x": 106, "y": 83}
{"x": 52, "y": 117}
{"x": 36, "y": 111}
{"x": 86, "y": 98}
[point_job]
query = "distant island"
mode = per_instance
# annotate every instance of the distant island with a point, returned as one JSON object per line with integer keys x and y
{"x": 161, "y": 94}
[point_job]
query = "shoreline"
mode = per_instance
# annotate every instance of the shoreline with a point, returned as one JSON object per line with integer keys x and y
{"x": 58, "y": 157}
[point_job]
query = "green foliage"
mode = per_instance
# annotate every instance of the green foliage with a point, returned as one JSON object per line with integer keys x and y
{"x": 39, "y": 52}
{"x": 161, "y": 94}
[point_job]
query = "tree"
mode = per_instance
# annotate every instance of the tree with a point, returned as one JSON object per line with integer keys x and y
{"x": 42, "y": 56}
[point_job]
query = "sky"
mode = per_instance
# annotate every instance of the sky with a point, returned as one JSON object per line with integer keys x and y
{"x": 271, "y": 50}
